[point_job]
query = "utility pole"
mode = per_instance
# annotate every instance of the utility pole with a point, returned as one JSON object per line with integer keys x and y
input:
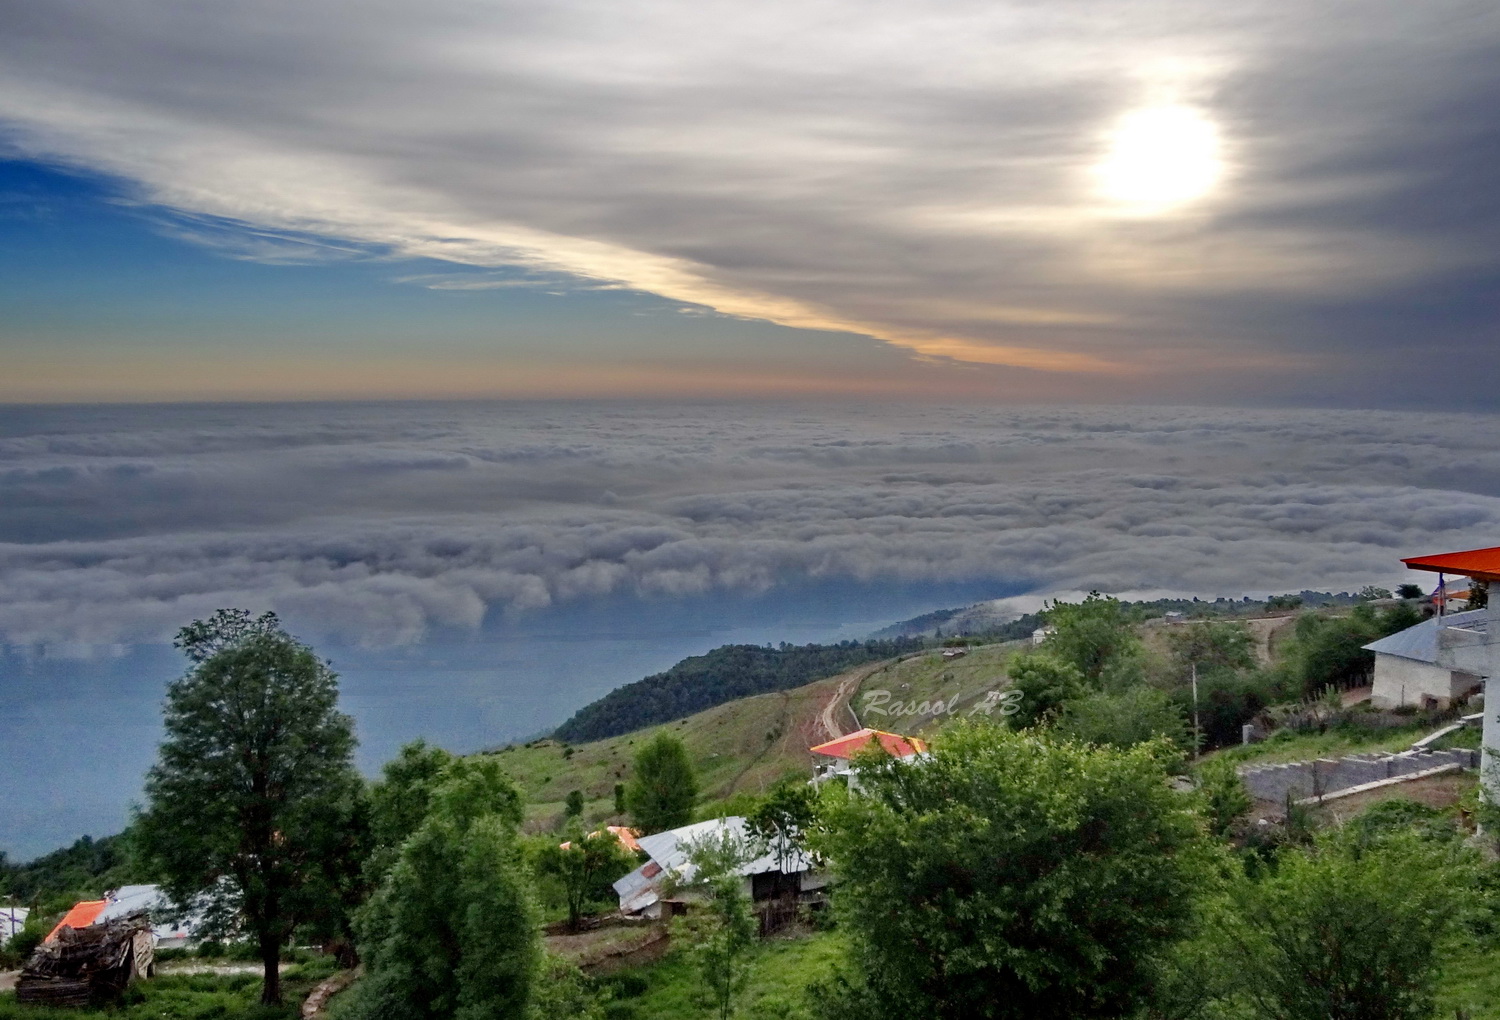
{"x": 1197, "y": 731}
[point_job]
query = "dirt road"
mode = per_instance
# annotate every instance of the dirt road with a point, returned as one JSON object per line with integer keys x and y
{"x": 832, "y": 728}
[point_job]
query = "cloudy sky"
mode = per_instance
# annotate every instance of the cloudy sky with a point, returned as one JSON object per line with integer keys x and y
{"x": 1164, "y": 200}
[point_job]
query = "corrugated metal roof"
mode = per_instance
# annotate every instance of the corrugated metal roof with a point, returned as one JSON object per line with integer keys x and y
{"x": 669, "y": 853}
{"x": 82, "y": 915}
{"x": 1420, "y": 642}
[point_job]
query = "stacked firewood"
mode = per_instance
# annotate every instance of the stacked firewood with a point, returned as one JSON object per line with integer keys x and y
{"x": 80, "y": 966}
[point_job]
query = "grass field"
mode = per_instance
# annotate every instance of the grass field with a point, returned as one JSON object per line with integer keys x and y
{"x": 191, "y": 997}
{"x": 781, "y": 970}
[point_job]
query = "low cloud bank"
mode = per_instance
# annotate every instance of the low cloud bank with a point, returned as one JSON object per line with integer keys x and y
{"x": 378, "y": 524}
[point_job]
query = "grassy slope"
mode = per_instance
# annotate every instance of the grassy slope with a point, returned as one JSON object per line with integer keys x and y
{"x": 746, "y": 746}
{"x": 741, "y": 746}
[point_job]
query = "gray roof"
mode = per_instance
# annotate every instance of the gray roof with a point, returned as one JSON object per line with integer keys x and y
{"x": 669, "y": 853}
{"x": 1420, "y": 642}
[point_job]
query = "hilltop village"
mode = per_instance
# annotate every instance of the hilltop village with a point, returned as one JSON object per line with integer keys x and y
{"x": 1253, "y": 808}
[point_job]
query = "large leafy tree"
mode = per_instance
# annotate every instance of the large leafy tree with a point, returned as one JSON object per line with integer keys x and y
{"x": 662, "y": 790}
{"x": 253, "y": 783}
{"x": 1352, "y": 929}
{"x": 584, "y": 867}
{"x": 452, "y": 932}
{"x": 1097, "y": 637}
{"x": 1013, "y": 875}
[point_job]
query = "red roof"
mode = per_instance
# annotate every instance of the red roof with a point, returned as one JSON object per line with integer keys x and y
{"x": 1480, "y": 564}
{"x": 848, "y": 746}
{"x": 81, "y": 916}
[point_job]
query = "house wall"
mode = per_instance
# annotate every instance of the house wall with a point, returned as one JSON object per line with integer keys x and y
{"x": 1401, "y": 681}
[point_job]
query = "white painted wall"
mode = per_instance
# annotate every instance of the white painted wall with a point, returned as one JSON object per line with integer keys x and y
{"x": 1402, "y": 681}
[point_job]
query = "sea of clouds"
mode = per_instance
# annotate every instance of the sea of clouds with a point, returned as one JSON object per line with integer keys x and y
{"x": 377, "y": 525}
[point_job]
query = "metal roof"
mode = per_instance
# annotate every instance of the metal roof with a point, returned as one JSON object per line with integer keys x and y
{"x": 669, "y": 853}
{"x": 1420, "y": 642}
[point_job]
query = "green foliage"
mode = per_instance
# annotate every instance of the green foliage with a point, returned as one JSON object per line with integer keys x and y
{"x": 563, "y": 993}
{"x": 185, "y": 997}
{"x": 724, "y": 674}
{"x": 1370, "y": 592}
{"x": 400, "y": 801}
{"x": 723, "y": 934}
{"x": 1479, "y": 595}
{"x": 619, "y": 798}
{"x": 1284, "y": 602}
{"x": 1227, "y": 699}
{"x": 584, "y": 868}
{"x": 780, "y": 823}
{"x": 1012, "y": 875}
{"x": 1348, "y": 930}
{"x": 1211, "y": 646}
{"x": 662, "y": 788}
{"x": 1329, "y": 652}
{"x": 80, "y": 871}
{"x": 1409, "y": 591}
{"x": 253, "y": 782}
{"x": 451, "y": 934}
{"x": 1222, "y": 794}
{"x": 1097, "y": 637}
{"x": 1045, "y": 683}
{"x": 573, "y": 805}
{"x": 1133, "y": 716}
{"x": 20, "y": 945}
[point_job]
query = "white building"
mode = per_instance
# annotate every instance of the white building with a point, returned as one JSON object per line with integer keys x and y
{"x": 648, "y": 889}
{"x": 1408, "y": 670}
{"x": 12, "y": 920}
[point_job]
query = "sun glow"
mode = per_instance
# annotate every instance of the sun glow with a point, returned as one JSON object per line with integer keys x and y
{"x": 1161, "y": 158}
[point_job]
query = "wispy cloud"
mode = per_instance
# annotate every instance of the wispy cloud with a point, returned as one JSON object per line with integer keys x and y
{"x": 927, "y": 175}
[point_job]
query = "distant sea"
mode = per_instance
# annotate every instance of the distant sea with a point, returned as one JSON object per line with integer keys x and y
{"x": 478, "y": 571}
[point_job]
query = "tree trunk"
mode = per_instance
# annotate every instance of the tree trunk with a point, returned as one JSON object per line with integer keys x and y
{"x": 270, "y": 957}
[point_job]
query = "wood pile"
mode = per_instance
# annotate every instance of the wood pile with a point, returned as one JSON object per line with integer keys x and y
{"x": 83, "y": 966}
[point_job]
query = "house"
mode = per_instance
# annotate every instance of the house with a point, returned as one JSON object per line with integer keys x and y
{"x": 12, "y": 920}
{"x": 955, "y": 653}
{"x": 1041, "y": 634}
{"x": 127, "y": 901}
{"x": 1472, "y": 644}
{"x": 782, "y": 872}
{"x": 843, "y": 749}
{"x": 1407, "y": 670}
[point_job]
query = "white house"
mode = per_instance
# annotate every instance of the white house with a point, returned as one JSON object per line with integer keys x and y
{"x": 778, "y": 872}
{"x": 1408, "y": 670}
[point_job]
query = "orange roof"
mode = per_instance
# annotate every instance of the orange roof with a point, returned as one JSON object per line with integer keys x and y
{"x": 625, "y": 835}
{"x": 81, "y": 916}
{"x": 891, "y": 743}
{"x": 1480, "y": 564}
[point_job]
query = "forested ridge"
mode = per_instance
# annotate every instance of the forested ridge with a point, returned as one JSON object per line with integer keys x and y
{"x": 724, "y": 674}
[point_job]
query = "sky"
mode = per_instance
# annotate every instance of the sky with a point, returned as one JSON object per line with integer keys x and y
{"x": 1165, "y": 201}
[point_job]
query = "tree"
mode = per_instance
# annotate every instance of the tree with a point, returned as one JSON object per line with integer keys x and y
{"x": 1134, "y": 716}
{"x": 451, "y": 934}
{"x": 1347, "y": 931}
{"x": 619, "y": 798}
{"x": 1096, "y": 637}
{"x": 722, "y": 935}
{"x": 1479, "y": 595}
{"x": 1214, "y": 645}
{"x": 573, "y": 805}
{"x": 1045, "y": 685}
{"x": 1370, "y": 592}
{"x": 1409, "y": 591}
{"x": 1284, "y": 602}
{"x": 1013, "y": 875}
{"x": 662, "y": 789}
{"x": 1222, "y": 794}
{"x": 584, "y": 866}
{"x": 254, "y": 773}
{"x": 780, "y": 823}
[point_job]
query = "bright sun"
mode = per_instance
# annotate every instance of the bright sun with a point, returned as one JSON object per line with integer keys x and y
{"x": 1160, "y": 158}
